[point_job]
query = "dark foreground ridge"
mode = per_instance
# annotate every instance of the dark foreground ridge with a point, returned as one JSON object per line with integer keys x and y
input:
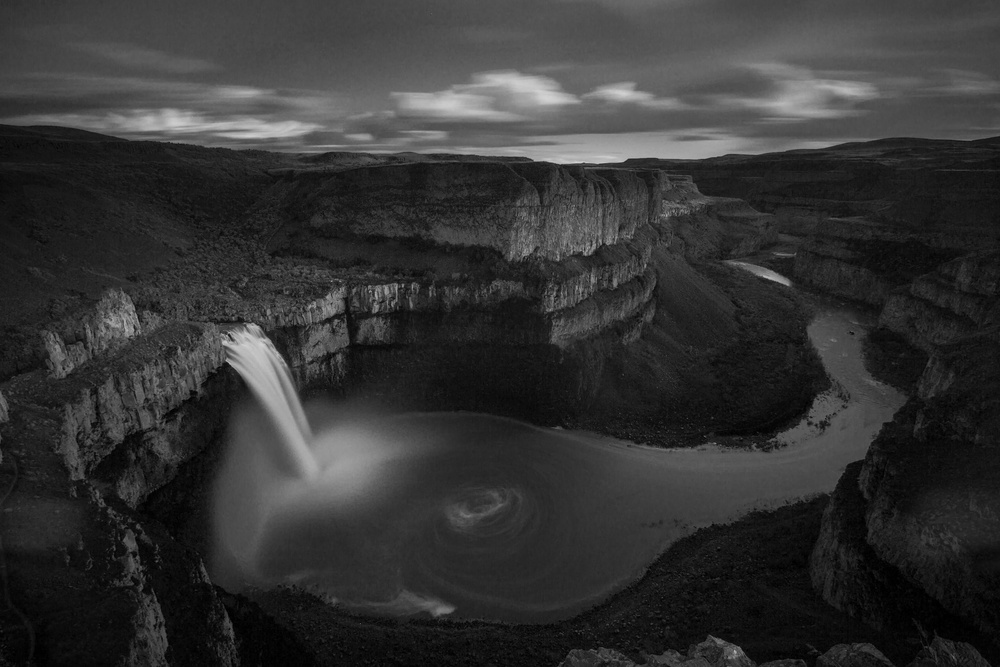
{"x": 589, "y": 296}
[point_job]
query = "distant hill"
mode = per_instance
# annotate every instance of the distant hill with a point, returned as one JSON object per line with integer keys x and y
{"x": 54, "y": 132}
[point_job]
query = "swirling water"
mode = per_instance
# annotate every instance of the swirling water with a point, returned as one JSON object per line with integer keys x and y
{"x": 484, "y": 517}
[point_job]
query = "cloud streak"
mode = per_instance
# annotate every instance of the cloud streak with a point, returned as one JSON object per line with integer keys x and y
{"x": 134, "y": 56}
{"x": 491, "y": 97}
{"x": 516, "y": 105}
{"x": 170, "y": 110}
{"x": 798, "y": 95}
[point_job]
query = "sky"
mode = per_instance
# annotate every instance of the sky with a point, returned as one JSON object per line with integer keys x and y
{"x": 558, "y": 80}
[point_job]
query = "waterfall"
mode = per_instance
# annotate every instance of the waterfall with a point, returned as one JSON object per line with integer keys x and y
{"x": 258, "y": 362}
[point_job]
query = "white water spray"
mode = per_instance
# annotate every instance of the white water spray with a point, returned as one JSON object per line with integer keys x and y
{"x": 255, "y": 358}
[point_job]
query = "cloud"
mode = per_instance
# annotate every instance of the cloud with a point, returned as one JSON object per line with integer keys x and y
{"x": 964, "y": 83}
{"x": 627, "y": 93}
{"x": 135, "y": 107}
{"x": 89, "y": 92}
{"x": 140, "y": 57}
{"x": 177, "y": 123}
{"x": 512, "y": 104}
{"x": 796, "y": 94}
{"x": 492, "y": 97}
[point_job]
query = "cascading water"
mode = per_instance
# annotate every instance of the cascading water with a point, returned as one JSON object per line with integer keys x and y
{"x": 485, "y": 517}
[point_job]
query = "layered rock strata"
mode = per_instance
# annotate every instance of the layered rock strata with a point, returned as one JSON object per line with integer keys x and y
{"x": 871, "y": 216}
{"x": 70, "y": 541}
{"x": 955, "y": 300}
{"x": 865, "y": 261}
{"x": 519, "y": 209}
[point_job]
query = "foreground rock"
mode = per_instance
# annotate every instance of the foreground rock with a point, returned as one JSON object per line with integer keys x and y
{"x": 715, "y": 652}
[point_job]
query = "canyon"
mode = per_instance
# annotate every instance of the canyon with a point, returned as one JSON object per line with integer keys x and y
{"x": 573, "y": 296}
{"x": 909, "y": 227}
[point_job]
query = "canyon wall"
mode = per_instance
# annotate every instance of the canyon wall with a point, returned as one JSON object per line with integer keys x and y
{"x": 913, "y": 532}
{"x": 925, "y": 511}
{"x": 911, "y": 228}
{"x": 868, "y": 217}
{"x": 520, "y": 209}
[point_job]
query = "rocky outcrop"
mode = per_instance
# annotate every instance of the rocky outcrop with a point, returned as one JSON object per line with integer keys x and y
{"x": 847, "y": 573}
{"x": 940, "y": 531}
{"x": 865, "y": 261}
{"x": 914, "y": 534}
{"x": 520, "y": 210}
{"x": 832, "y": 270}
{"x": 110, "y": 401}
{"x": 713, "y": 226}
{"x": 97, "y": 585}
{"x": 112, "y": 321}
{"x": 959, "y": 389}
{"x": 928, "y": 498}
{"x": 4, "y": 415}
{"x": 934, "y": 186}
{"x": 956, "y": 300}
{"x": 715, "y": 652}
{"x": 870, "y": 216}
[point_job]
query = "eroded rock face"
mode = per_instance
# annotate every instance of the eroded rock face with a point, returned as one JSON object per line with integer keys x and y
{"x": 927, "y": 494}
{"x": 847, "y": 572}
{"x": 112, "y": 321}
{"x": 916, "y": 535}
{"x": 956, "y": 300}
{"x": 99, "y": 585}
{"x": 519, "y": 209}
{"x": 865, "y": 261}
{"x": 941, "y": 533}
{"x": 936, "y": 185}
{"x": 874, "y": 215}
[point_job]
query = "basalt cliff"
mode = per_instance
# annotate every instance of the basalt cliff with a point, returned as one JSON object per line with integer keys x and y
{"x": 561, "y": 295}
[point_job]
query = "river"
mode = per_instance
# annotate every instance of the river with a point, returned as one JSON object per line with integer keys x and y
{"x": 476, "y": 516}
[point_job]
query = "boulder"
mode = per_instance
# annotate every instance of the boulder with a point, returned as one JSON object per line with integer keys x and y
{"x": 853, "y": 655}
